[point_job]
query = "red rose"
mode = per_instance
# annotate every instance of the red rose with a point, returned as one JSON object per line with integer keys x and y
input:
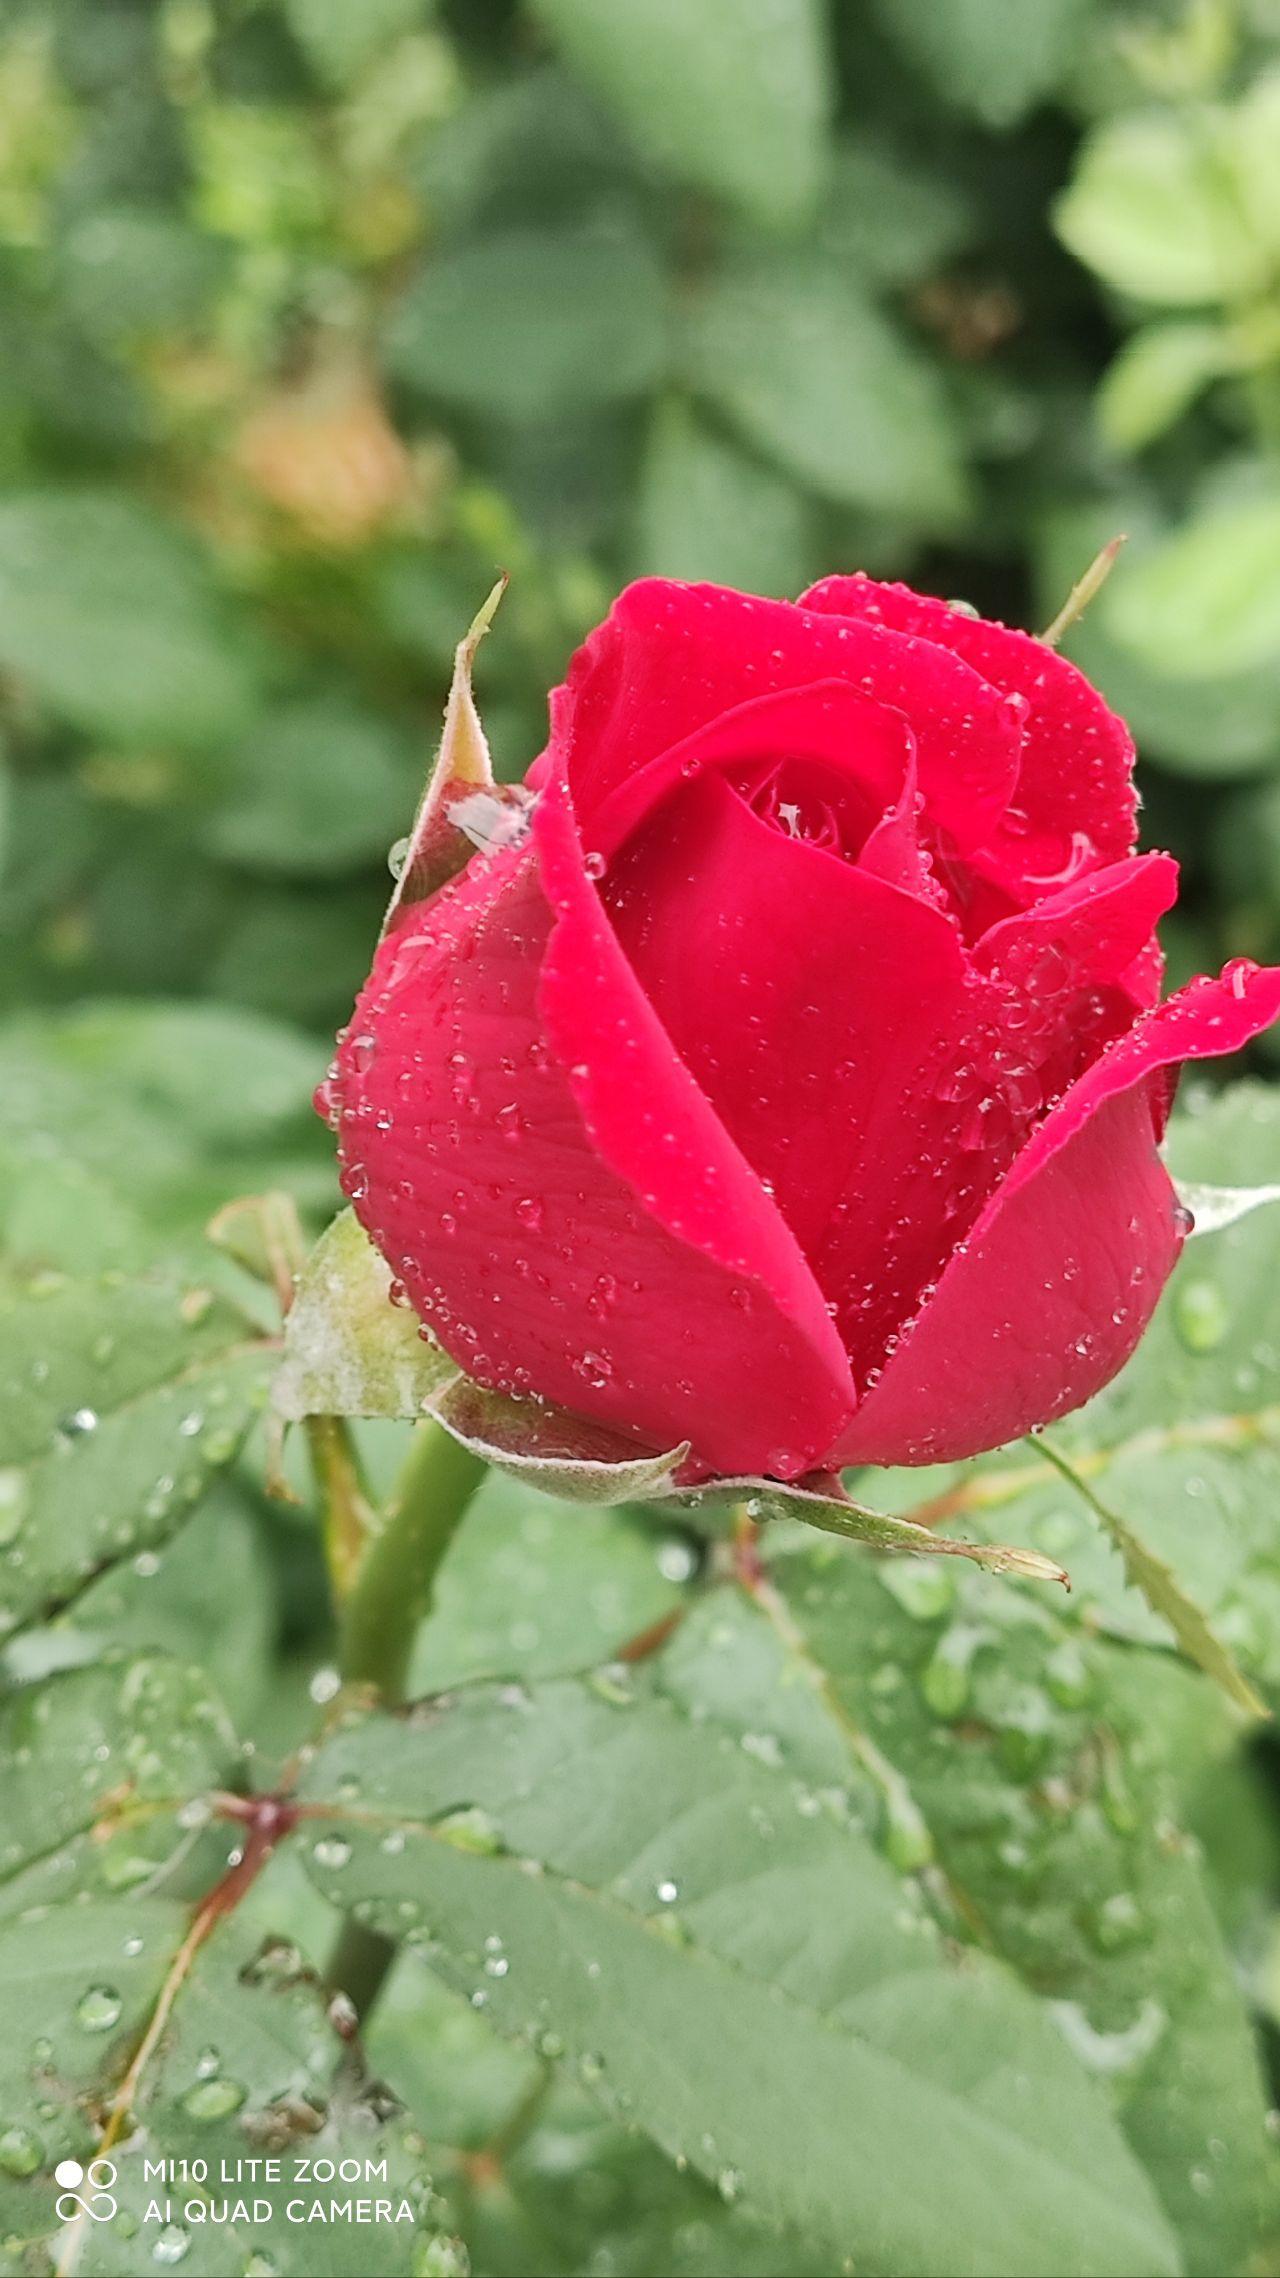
{"x": 795, "y": 1087}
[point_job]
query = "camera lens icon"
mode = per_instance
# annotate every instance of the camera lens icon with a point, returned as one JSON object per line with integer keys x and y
{"x": 85, "y": 2190}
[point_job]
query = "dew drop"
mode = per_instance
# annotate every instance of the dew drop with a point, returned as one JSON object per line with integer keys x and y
{"x": 947, "y": 1675}
{"x": 21, "y": 2153}
{"x": 470, "y": 1829}
{"x": 98, "y": 2009}
{"x": 1117, "y": 1923}
{"x": 213, "y": 2099}
{"x": 79, "y": 1423}
{"x": 594, "y": 1369}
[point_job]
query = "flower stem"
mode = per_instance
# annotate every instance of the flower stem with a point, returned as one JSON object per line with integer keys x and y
{"x": 389, "y": 1598}
{"x": 391, "y": 1594}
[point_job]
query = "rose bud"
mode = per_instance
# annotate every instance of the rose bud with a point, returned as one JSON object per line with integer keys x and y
{"x": 789, "y": 1078}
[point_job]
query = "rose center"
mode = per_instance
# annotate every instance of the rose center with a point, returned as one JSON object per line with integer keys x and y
{"x": 803, "y": 799}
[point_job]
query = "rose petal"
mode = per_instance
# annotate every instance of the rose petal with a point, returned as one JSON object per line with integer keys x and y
{"x": 669, "y": 659}
{"x": 1076, "y": 775}
{"x": 534, "y": 1259}
{"x": 1046, "y": 998}
{"x": 1059, "y": 1278}
{"x": 827, "y": 721}
{"x": 1087, "y": 935}
{"x": 805, "y": 995}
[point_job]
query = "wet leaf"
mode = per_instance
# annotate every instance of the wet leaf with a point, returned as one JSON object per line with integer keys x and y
{"x": 96, "y": 1765}
{"x": 221, "y": 1612}
{"x": 348, "y": 1351}
{"x": 733, "y": 1974}
{"x": 534, "y": 1587}
{"x": 249, "y": 2066}
{"x": 564, "y": 1455}
{"x": 1034, "y": 1779}
{"x": 148, "y": 1116}
{"x": 119, "y": 1401}
{"x": 879, "y": 1530}
{"x": 1159, "y": 1586}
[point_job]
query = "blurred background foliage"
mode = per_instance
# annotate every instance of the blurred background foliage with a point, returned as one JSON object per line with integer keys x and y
{"x": 314, "y": 313}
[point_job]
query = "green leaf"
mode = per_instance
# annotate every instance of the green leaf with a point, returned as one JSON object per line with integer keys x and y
{"x": 340, "y": 40}
{"x": 575, "y": 2187}
{"x": 229, "y": 1078}
{"x": 708, "y": 511}
{"x": 221, "y": 1611}
{"x": 887, "y": 214}
{"x": 261, "y": 177}
{"x": 178, "y": 2027}
{"x": 96, "y": 1765}
{"x": 532, "y": 326}
{"x": 807, "y": 367}
{"x": 113, "y": 619}
{"x": 130, "y": 270}
{"x": 994, "y": 58}
{"x": 532, "y": 1587}
{"x": 1205, "y": 602}
{"x": 579, "y": 2189}
{"x": 1036, "y": 1777}
{"x": 146, "y": 1117}
{"x": 318, "y": 787}
{"x": 1254, "y": 134}
{"x": 1159, "y": 1586}
{"x": 1156, "y": 378}
{"x": 119, "y": 1402}
{"x": 248, "y": 2066}
{"x": 740, "y": 1977}
{"x": 732, "y": 95}
{"x": 459, "y": 2081}
{"x": 1214, "y": 728}
{"x": 348, "y": 1350}
{"x": 1155, "y": 209}
{"x": 1184, "y": 1446}
{"x": 879, "y": 1530}
{"x": 563, "y": 1454}
{"x": 57, "y": 1217}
